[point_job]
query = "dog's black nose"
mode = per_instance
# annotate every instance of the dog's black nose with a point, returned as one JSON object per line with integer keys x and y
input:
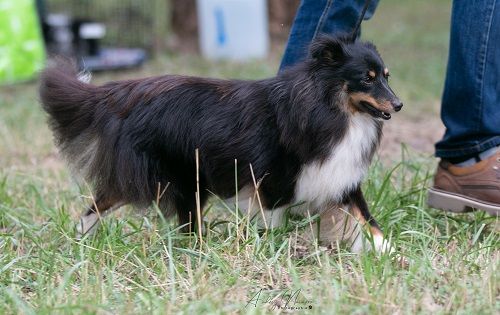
{"x": 397, "y": 105}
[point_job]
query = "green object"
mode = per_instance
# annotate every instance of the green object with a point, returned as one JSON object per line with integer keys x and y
{"x": 22, "y": 52}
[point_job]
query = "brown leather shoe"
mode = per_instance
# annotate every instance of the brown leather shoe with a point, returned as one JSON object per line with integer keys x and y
{"x": 463, "y": 189}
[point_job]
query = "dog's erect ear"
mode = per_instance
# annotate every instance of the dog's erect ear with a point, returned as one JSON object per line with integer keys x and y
{"x": 328, "y": 48}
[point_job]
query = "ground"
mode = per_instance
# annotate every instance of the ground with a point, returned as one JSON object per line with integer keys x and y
{"x": 137, "y": 263}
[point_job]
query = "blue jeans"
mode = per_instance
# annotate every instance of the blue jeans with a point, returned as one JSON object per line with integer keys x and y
{"x": 471, "y": 99}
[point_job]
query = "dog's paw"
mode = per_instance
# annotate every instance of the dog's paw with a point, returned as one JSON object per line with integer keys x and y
{"x": 402, "y": 261}
{"x": 382, "y": 245}
{"x": 374, "y": 242}
{"x": 86, "y": 225}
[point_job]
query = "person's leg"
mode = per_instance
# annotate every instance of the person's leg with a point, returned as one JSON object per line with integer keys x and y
{"x": 468, "y": 175}
{"x": 321, "y": 16}
{"x": 471, "y": 98}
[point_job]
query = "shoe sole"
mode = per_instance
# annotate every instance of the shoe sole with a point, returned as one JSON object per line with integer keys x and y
{"x": 444, "y": 200}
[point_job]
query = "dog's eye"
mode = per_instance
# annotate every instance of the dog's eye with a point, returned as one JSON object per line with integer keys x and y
{"x": 368, "y": 79}
{"x": 387, "y": 75}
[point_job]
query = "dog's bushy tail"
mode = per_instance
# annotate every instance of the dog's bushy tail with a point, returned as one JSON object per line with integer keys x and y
{"x": 69, "y": 102}
{"x": 71, "y": 105}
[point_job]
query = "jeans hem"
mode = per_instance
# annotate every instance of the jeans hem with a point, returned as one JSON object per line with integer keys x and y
{"x": 464, "y": 151}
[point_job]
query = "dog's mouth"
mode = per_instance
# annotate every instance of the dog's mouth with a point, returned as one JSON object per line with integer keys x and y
{"x": 374, "y": 111}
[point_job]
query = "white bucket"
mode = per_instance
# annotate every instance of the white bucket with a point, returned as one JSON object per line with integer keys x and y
{"x": 233, "y": 29}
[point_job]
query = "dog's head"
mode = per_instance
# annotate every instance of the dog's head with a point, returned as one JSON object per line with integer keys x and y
{"x": 358, "y": 68}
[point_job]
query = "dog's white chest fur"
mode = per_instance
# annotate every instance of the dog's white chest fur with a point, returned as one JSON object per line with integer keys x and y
{"x": 343, "y": 170}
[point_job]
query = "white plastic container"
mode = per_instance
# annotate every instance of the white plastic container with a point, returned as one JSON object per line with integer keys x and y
{"x": 233, "y": 29}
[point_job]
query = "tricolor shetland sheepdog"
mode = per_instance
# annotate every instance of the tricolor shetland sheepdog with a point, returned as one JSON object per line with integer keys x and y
{"x": 306, "y": 137}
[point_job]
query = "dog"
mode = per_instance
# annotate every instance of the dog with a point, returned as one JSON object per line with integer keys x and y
{"x": 301, "y": 141}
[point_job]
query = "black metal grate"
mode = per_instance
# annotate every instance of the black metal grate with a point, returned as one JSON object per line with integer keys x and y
{"x": 129, "y": 23}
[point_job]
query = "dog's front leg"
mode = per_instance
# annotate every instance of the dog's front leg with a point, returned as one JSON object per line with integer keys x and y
{"x": 371, "y": 236}
{"x": 352, "y": 223}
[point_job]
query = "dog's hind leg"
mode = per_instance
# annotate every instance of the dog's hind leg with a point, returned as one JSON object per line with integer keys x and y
{"x": 187, "y": 218}
{"x": 186, "y": 207}
{"x": 100, "y": 207}
{"x": 250, "y": 206}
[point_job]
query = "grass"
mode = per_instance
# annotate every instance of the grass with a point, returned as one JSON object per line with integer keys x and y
{"x": 137, "y": 263}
